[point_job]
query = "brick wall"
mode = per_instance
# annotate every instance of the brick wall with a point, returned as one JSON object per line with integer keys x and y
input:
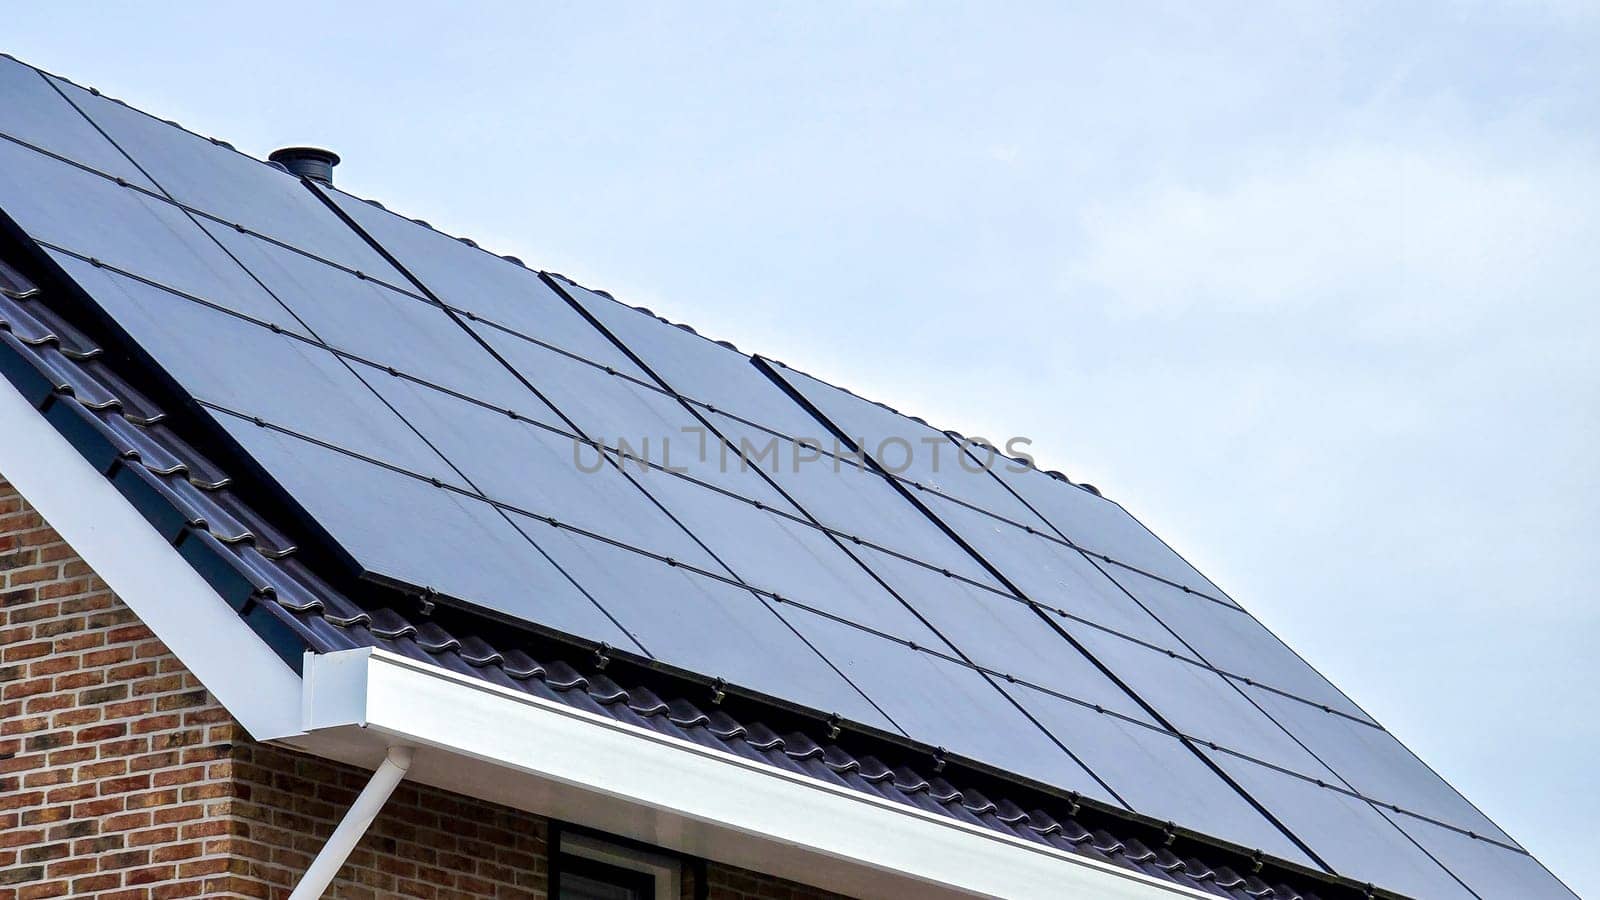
{"x": 121, "y": 778}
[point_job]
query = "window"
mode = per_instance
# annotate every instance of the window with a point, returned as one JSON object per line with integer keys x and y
{"x": 588, "y": 879}
{"x": 584, "y": 867}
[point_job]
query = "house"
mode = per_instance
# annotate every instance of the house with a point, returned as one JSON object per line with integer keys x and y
{"x": 341, "y": 557}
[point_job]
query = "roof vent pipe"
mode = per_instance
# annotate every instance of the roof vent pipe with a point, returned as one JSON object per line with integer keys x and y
{"x": 307, "y": 162}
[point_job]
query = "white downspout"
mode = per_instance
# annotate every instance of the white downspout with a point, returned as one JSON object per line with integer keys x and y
{"x": 354, "y": 825}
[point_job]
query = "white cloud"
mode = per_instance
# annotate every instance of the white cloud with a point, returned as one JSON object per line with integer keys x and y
{"x": 1405, "y": 242}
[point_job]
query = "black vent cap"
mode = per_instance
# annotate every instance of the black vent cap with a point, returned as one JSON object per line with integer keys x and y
{"x": 307, "y": 162}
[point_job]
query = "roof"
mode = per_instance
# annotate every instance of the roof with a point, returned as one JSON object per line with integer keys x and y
{"x": 191, "y": 500}
{"x": 367, "y": 433}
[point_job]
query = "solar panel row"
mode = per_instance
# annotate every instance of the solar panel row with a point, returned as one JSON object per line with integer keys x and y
{"x": 437, "y": 411}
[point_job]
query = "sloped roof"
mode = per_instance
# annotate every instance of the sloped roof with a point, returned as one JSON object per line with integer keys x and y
{"x": 358, "y": 428}
{"x": 191, "y": 500}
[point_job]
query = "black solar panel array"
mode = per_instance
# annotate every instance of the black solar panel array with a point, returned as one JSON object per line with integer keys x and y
{"x": 515, "y": 442}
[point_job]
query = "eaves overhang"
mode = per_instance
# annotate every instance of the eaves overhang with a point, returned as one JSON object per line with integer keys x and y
{"x": 484, "y": 740}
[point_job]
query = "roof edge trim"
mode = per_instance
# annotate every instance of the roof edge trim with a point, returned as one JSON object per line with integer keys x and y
{"x": 146, "y": 571}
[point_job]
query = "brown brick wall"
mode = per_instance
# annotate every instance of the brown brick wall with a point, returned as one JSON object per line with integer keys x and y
{"x": 121, "y": 778}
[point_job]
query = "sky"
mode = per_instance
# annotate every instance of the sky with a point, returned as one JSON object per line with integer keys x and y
{"x": 1313, "y": 290}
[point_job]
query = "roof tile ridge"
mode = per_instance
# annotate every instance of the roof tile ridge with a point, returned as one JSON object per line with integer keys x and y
{"x": 94, "y": 91}
{"x": 370, "y": 201}
{"x": 681, "y": 326}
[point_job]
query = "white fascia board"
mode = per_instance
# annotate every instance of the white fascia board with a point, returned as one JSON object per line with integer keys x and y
{"x": 509, "y": 746}
{"x": 145, "y": 571}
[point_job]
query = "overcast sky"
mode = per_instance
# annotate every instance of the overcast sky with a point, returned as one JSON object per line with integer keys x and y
{"x": 1312, "y": 290}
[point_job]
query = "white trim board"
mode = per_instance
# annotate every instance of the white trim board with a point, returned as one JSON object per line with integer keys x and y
{"x": 145, "y": 571}
{"x": 478, "y": 738}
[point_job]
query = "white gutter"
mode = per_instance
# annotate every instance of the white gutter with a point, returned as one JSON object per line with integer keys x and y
{"x": 485, "y": 740}
{"x": 355, "y": 824}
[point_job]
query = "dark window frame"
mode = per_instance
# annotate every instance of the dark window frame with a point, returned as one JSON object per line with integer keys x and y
{"x": 642, "y": 870}
{"x": 637, "y": 883}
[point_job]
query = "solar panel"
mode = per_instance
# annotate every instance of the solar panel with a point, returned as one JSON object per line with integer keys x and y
{"x": 788, "y": 558}
{"x": 61, "y": 205}
{"x": 229, "y": 362}
{"x": 1197, "y": 702}
{"x": 696, "y": 367}
{"x": 1149, "y": 770}
{"x": 1051, "y": 571}
{"x": 1048, "y": 571}
{"x": 1345, "y": 832}
{"x": 36, "y": 113}
{"x": 1000, "y": 633}
{"x": 532, "y": 470}
{"x": 338, "y": 304}
{"x": 945, "y": 704}
{"x": 573, "y": 366}
{"x": 354, "y": 501}
{"x": 1007, "y": 534}
{"x": 1051, "y": 574}
{"x": 905, "y": 447}
{"x": 615, "y": 410}
{"x": 366, "y": 319}
{"x": 1156, "y": 774}
{"x": 382, "y": 372}
{"x": 919, "y": 453}
{"x": 252, "y": 371}
{"x": 992, "y": 627}
{"x": 534, "y": 332}
{"x": 1365, "y": 757}
{"x": 226, "y": 184}
{"x": 716, "y": 383}
{"x": 1230, "y": 640}
{"x": 1489, "y": 870}
{"x": 856, "y": 504}
{"x": 470, "y": 279}
{"x": 697, "y": 623}
{"x": 1200, "y": 704}
{"x": 922, "y": 694}
{"x": 837, "y": 634}
{"x": 380, "y": 325}
{"x": 1377, "y": 765}
{"x": 256, "y": 373}
{"x": 1100, "y": 525}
